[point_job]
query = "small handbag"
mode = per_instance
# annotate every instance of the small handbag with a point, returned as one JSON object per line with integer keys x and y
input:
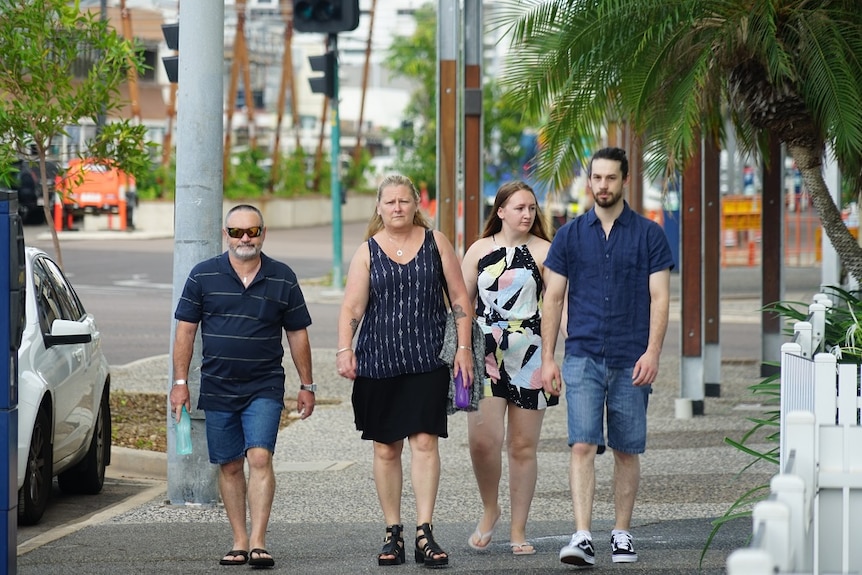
{"x": 450, "y": 346}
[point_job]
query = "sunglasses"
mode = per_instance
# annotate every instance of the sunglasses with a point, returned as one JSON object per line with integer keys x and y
{"x": 237, "y": 233}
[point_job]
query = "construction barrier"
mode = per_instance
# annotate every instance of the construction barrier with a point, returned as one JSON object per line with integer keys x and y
{"x": 740, "y": 213}
{"x": 740, "y": 230}
{"x": 741, "y": 234}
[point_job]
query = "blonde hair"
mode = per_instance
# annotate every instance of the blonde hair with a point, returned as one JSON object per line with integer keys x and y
{"x": 419, "y": 218}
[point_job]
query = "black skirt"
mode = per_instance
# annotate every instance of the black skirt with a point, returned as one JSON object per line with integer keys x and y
{"x": 390, "y": 409}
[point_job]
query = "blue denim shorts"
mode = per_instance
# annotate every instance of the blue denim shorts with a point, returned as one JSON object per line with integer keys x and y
{"x": 593, "y": 389}
{"x": 231, "y": 433}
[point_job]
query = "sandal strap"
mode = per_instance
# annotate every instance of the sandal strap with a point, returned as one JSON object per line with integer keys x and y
{"x": 394, "y": 540}
{"x": 431, "y": 548}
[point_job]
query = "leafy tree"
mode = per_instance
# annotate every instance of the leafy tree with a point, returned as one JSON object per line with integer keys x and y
{"x": 415, "y": 57}
{"x": 247, "y": 179}
{"x": 355, "y": 174}
{"x": 503, "y": 126}
{"x": 677, "y": 69}
{"x": 42, "y": 44}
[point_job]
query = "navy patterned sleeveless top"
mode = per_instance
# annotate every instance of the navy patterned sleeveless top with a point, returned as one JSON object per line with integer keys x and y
{"x": 402, "y": 331}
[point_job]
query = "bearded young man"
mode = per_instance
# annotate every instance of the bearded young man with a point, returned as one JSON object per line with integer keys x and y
{"x": 617, "y": 265}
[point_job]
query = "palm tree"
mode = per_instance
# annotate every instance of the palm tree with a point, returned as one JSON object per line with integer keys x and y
{"x": 677, "y": 69}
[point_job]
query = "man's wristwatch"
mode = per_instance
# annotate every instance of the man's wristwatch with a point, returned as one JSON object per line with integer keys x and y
{"x": 312, "y": 387}
{"x": 180, "y": 382}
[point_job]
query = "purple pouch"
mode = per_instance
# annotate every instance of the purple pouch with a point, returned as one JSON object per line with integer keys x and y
{"x": 462, "y": 394}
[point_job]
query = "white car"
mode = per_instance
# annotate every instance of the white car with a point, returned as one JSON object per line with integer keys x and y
{"x": 64, "y": 416}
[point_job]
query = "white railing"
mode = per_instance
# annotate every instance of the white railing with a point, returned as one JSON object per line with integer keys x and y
{"x": 812, "y": 521}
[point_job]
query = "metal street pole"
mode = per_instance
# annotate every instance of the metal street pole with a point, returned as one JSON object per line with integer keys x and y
{"x": 335, "y": 170}
{"x": 197, "y": 216}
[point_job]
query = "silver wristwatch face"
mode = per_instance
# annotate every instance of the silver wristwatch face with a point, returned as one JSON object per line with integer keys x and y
{"x": 311, "y": 387}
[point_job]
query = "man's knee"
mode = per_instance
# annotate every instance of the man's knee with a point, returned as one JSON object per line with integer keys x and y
{"x": 258, "y": 457}
{"x": 626, "y": 458}
{"x": 232, "y": 468}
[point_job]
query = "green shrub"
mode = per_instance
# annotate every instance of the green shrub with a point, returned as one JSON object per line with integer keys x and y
{"x": 249, "y": 177}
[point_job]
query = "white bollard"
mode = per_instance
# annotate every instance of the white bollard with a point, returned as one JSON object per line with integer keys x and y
{"x": 683, "y": 408}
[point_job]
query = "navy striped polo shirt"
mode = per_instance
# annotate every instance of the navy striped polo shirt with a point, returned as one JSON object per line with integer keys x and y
{"x": 241, "y": 329}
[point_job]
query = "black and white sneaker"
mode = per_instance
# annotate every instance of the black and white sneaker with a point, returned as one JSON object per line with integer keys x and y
{"x": 579, "y": 551}
{"x": 622, "y": 547}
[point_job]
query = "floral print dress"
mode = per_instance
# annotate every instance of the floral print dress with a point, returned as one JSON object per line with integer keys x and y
{"x": 509, "y": 312}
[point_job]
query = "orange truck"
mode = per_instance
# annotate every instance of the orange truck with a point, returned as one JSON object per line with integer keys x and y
{"x": 91, "y": 187}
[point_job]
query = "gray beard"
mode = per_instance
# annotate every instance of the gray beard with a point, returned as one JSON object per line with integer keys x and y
{"x": 248, "y": 252}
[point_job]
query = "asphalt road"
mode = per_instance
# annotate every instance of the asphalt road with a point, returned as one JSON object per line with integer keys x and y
{"x": 128, "y": 286}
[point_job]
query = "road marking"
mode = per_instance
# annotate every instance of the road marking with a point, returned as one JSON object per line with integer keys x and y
{"x": 142, "y": 283}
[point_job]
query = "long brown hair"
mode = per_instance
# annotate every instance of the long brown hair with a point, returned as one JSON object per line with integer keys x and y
{"x": 419, "y": 218}
{"x": 493, "y": 224}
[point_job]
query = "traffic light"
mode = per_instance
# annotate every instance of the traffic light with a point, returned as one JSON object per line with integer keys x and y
{"x": 323, "y": 84}
{"x": 171, "y": 33}
{"x": 325, "y": 16}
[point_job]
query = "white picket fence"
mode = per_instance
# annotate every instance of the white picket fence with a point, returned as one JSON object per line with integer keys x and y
{"x": 811, "y": 523}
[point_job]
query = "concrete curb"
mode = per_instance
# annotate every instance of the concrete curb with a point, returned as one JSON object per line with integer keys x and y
{"x": 138, "y": 463}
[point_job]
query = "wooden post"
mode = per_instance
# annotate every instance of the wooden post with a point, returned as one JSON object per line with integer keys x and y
{"x": 473, "y": 164}
{"x": 167, "y": 142}
{"x": 288, "y": 82}
{"x": 711, "y": 270}
{"x": 134, "y": 99}
{"x": 447, "y": 118}
{"x": 691, "y": 366}
{"x": 772, "y": 254}
{"x": 249, "y": 93}
{"x": 236, "y": 62}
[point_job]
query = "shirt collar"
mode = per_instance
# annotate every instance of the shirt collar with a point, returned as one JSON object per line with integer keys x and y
{"x": 625, "y": 217}
{"x": 225, "y": 267}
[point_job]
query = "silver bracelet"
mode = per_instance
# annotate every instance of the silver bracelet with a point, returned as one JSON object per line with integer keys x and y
{"x": 343, "y": 349}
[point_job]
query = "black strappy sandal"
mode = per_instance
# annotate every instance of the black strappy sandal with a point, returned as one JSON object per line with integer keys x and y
{"x": 393, "y": 544}
{"x": 426, "y": 553}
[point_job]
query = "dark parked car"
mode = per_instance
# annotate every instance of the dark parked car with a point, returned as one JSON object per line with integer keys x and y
{"x": 24, "y": 178}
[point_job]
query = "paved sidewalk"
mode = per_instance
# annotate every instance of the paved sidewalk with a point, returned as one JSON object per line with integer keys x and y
{"x": 326, "y": 517}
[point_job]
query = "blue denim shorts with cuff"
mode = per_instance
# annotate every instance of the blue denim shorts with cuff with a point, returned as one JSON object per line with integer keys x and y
{"x": 593, "y": 389}
{"x": 231, "y": 433}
